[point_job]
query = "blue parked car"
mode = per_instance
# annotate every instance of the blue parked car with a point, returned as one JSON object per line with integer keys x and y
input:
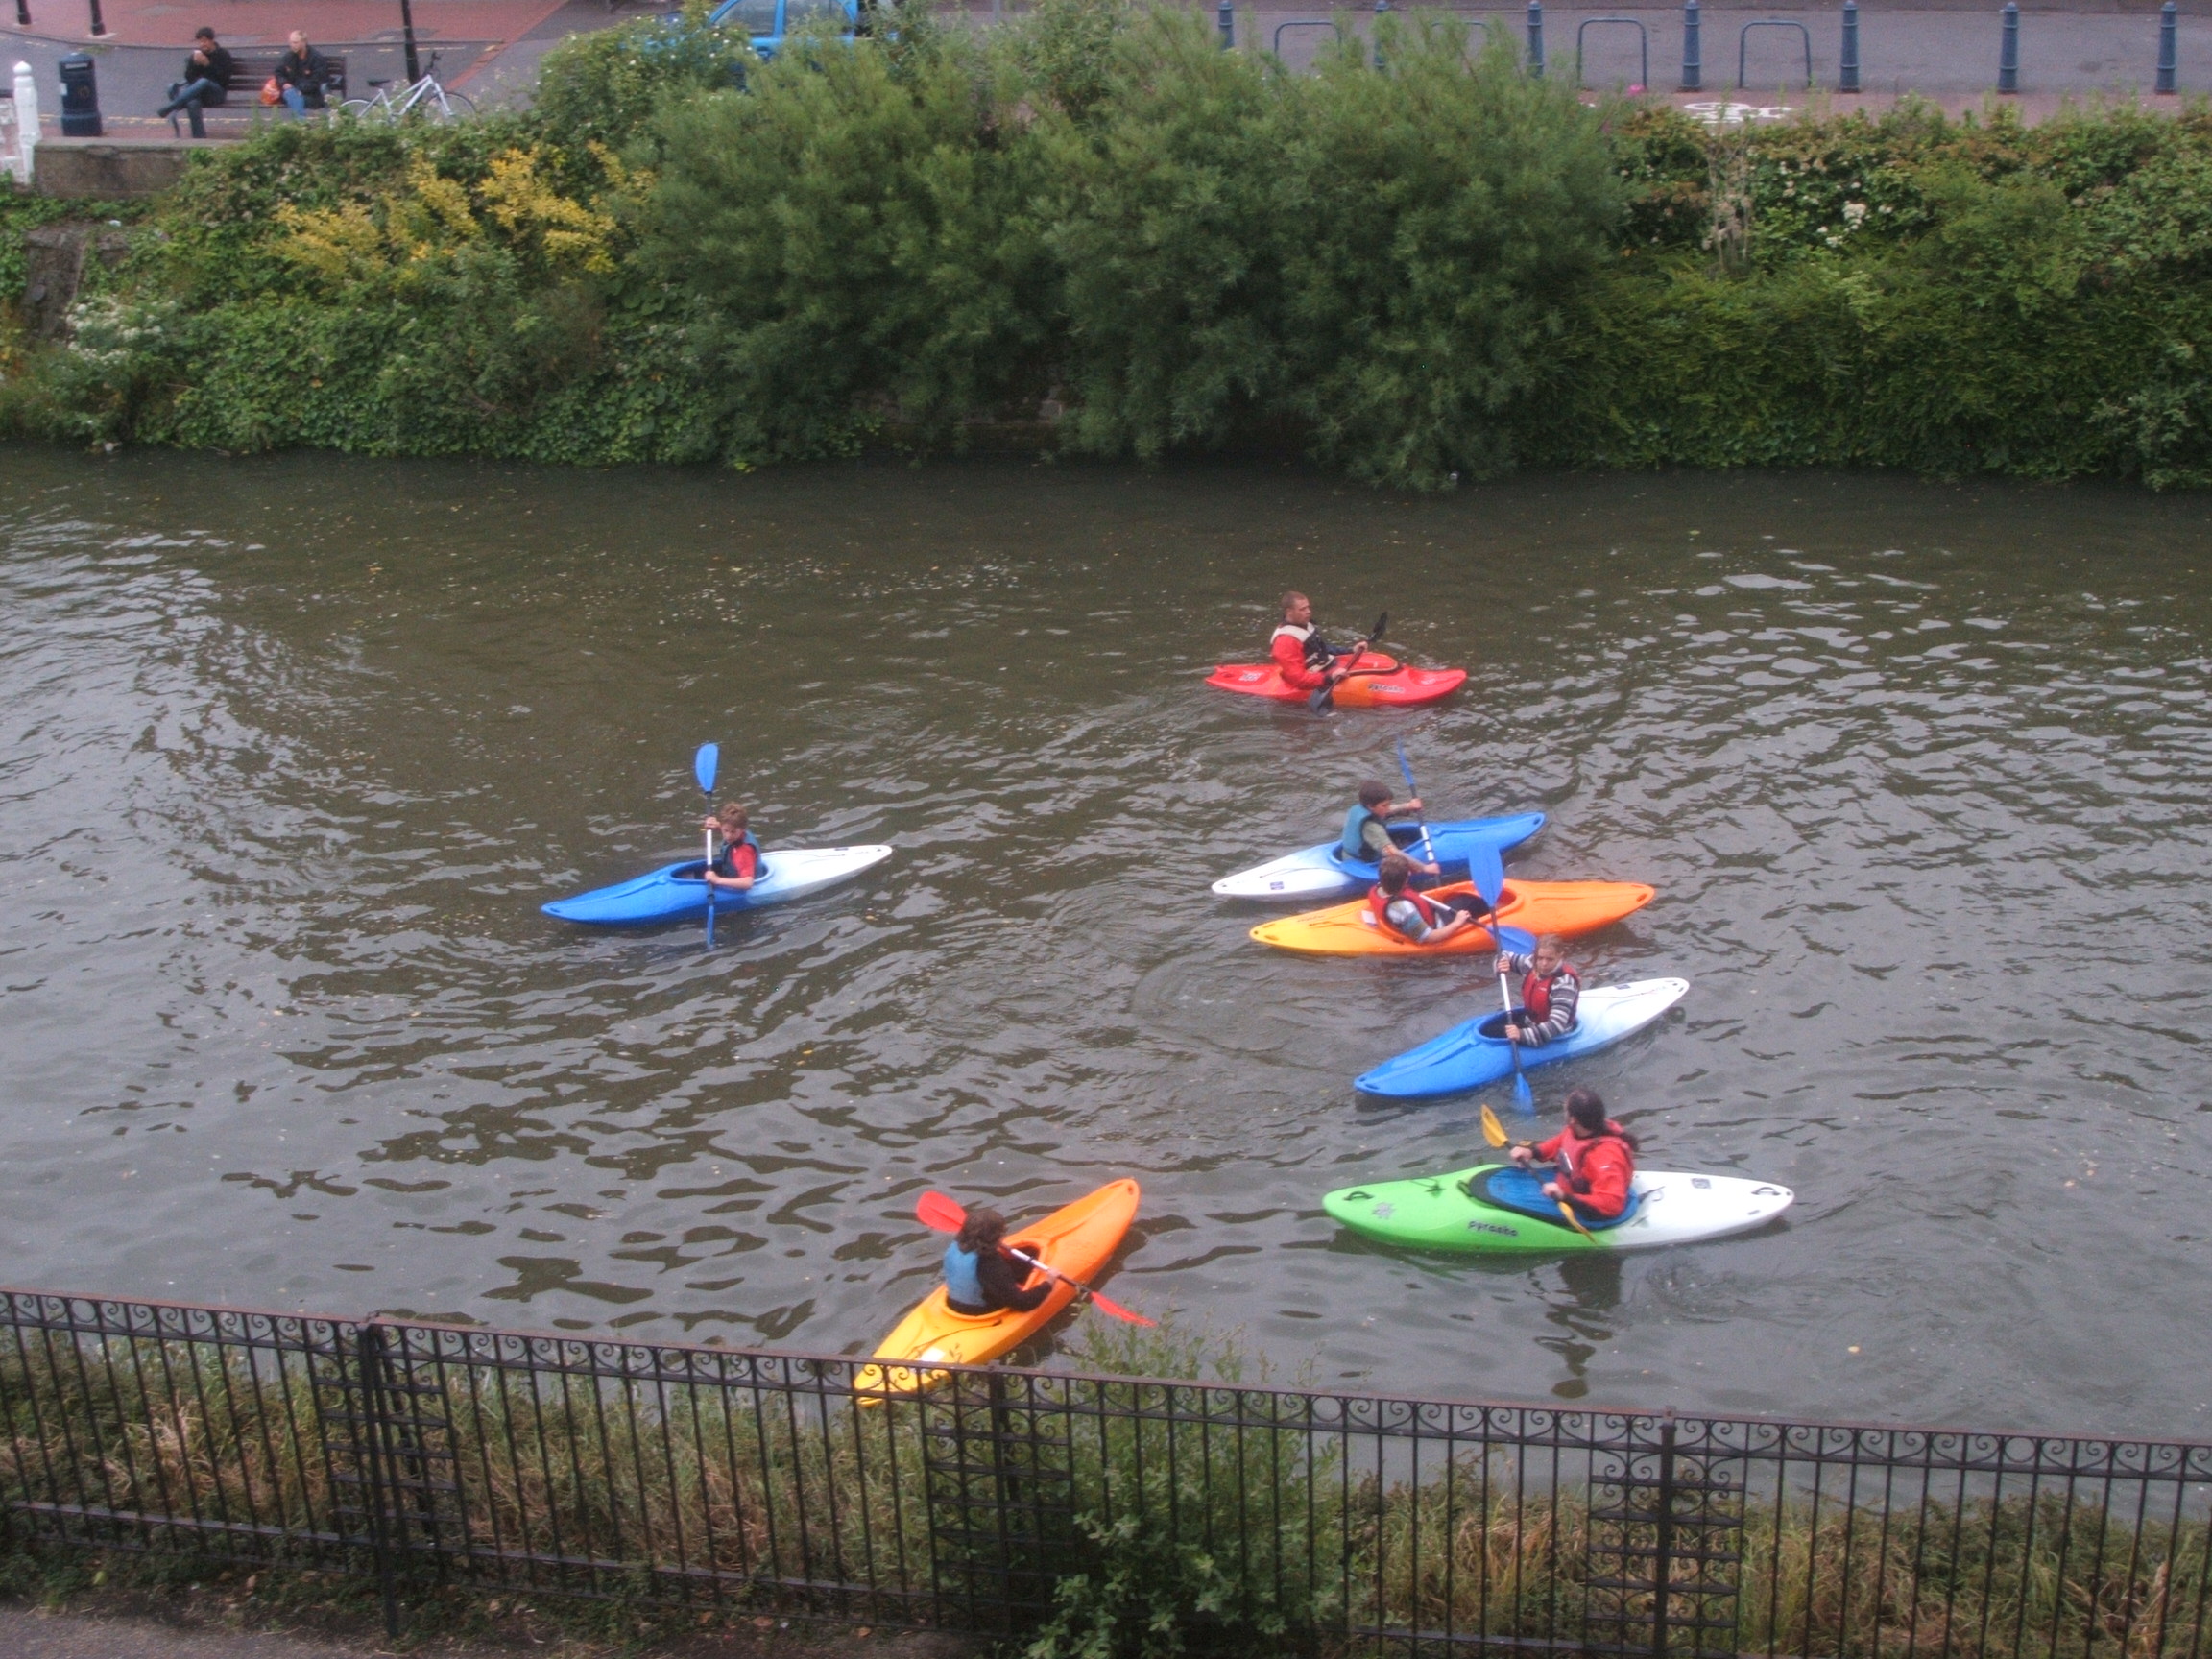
{"x": 769, "y": 21}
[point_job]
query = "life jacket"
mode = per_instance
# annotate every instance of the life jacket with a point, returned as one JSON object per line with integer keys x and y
{"x": 1573, "y": 1147}
{"x": 1379, "y": 908}
{"x": 1316, "y": 649}
{"x": 1352, "y": 846}
{"x": 721, "y": 865}
{"x": 963, "y": 1282}
{"x": 1536, "y": 991}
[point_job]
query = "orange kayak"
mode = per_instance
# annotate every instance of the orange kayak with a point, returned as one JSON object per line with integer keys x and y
{"x": 1537, "y": 907}
{"x": 1376, "y": 682}
{"x": 1077, "y": 1240}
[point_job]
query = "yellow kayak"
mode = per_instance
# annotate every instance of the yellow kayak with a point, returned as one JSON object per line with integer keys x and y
{"x": 1077, "y": 1240}
{"x": 1535, "y": 906}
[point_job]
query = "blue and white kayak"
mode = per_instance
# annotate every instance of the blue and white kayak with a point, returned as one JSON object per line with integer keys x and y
{"x": 676, "y": 891}
{"x": 1474, "y": 1053}
{"x": 1319, "y": 873}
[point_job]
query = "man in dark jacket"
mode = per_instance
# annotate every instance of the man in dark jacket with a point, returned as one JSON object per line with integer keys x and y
{"x": 301, "y": 74}
{"x": 205, "y": 72}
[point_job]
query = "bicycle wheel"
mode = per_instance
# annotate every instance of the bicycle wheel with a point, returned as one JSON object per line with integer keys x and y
{"x": 459, "y": 107}
{"x": 357, "y": 108}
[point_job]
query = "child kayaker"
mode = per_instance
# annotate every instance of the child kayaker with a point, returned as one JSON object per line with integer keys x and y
{"x": 979, "y": 1276}
{"x": 738, "y": 861}
{"x": 1594, "y": 1159}
{"x": 1550, "y": 993}
{"x": 1366, "y": 838}
{"x": 1419, "y": 918}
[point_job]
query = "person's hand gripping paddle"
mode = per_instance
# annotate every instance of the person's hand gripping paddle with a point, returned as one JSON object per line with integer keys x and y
{"x": 941, "y": 1214}
{"x": 1322, "y": 698}
{"x": 1413, "y": 792}
{"x": 703, "y": 767}
{"x": 1493, "y": 1132}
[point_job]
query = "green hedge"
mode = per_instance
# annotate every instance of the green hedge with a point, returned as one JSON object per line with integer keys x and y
{"x": 1415, "y": 270}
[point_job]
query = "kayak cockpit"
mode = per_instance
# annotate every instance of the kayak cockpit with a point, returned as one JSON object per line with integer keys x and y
{"x": 1522, "y": 1191}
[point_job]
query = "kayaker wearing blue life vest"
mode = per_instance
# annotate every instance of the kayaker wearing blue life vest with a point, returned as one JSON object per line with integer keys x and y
{"x": 979, "y": 1276}
{"x": 1594, "y": 1159}
{"x": 1415, "y": 916}
{"x": 1551, "y": 991}
{"x": 738, "y": 861}
{"x": 1366, "y": 838}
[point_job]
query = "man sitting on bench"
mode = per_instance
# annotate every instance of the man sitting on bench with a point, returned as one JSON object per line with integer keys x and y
{"x": 206, "y": 74}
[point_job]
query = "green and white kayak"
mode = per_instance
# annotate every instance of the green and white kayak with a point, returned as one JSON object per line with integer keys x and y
{"x": 1498, "y": 1207}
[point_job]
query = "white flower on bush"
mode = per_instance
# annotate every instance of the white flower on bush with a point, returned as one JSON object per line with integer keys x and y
{"x": 108, "y": 333}
{"x": 1854, "y": 215}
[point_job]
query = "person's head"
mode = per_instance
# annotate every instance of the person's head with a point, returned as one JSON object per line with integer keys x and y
{"x": 1392, "y": 873}
{"x": 299, "y": 41}
{"x": 1373, "y": 795}
{"x": 732, "y": 818}
{"x": 1586, "y": 1110}
{"x": 1297, "y": 609}
{"x": 1550, "y": 953}
{"x": 984, "y": 1230}
{"x": 204, "y": 37}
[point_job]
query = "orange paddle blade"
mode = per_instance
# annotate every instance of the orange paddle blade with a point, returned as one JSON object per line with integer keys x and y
{"x": 938, "y": 1212}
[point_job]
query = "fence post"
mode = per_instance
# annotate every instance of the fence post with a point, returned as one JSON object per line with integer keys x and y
{"x": 1536, "y": 38}
{"x": 1227, "y": 18}
{"x": 1663, "y": 1540}
{"x": 2008, "y": 53}
{"x": 1847, "y": 73}
{"x": 2168, "y": 55}
{"x": 369, "y": 1364}
{"x": 1693, "y": 54}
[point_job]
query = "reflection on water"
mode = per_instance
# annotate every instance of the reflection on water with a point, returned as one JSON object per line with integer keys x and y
{"x": 297, "y": 746}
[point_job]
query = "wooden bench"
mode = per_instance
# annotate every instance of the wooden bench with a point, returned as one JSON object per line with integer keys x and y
{"x": 250, "y": 70}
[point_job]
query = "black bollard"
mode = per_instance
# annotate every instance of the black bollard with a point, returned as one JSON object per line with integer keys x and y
{"x": 1380, "y": 7}
{"x": 2008, "y": 54}
{"x": 99, "y": 25}
{"x": 1536, "y": 38}
{"x": 2169, "y": 57}
{"x": 1227, "y": 19}
{"x": 1693, "y": 57}
{"x": 80, "y": 97}
{"x": 1847, "y": 74}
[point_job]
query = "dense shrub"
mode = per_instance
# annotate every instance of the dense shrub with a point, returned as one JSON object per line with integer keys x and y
{"x": 1413, "y": 264}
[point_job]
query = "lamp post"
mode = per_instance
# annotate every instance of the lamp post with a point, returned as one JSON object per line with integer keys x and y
{"x": 407, "y": 28}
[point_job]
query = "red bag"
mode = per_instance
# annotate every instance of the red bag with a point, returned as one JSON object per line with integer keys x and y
{"x": 271, "y": 91}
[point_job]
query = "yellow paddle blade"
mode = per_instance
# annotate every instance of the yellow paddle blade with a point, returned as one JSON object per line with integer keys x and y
{"x": 1574, "y": 1220}
{"x": 1493, "y": 1131}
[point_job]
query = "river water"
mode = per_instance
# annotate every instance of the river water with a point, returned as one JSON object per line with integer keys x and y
{"x": 295, "y": 747}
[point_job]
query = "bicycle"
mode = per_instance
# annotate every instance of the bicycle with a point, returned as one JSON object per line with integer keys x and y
{"x": 424, "y": 98}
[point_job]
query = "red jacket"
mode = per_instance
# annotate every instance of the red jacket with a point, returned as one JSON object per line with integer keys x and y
{"x": 1596, "y": 1172}
{"x": 1288, "y": 652}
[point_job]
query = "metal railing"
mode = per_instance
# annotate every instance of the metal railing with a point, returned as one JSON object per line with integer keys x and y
{"x": 1001, "y": 1500}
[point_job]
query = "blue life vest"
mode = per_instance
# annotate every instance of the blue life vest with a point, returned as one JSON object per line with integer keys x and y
{"x": 721, "y": 865}
{"x": 963, "y": 1284}
{"x": 1350, "y": 847}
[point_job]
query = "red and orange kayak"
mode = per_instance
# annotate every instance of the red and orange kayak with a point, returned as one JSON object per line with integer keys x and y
{"x": 1376, "y": 682}
{"x": 1536, "y": 906}
{"x": 1077, "y": 1240}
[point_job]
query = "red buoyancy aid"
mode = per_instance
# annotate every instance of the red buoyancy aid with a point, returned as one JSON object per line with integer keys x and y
{"x": 1599, "y": 1171}
{"x": 1379, "y": 907}
{"x": 1536, "y": 991}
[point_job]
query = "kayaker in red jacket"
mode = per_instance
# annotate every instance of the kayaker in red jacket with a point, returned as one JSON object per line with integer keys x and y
{"x": 1551, "y": 992}
{"x": 738, "y": 861}
{"x": 1594, "y": 1159}
{"x": 1302, "y": 657}
{"x": 1418, "y": 918}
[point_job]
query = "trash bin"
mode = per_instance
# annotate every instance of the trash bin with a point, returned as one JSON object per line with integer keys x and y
{"x": 80, "y": 97}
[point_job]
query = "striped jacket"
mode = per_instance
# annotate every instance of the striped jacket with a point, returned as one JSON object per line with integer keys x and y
{"x": 1566, "y": 993}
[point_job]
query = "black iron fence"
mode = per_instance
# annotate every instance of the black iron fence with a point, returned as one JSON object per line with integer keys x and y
{"x": 996, "y": 1499}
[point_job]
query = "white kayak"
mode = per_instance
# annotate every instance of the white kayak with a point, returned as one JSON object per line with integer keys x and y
{"x": 1319, "y": 873}
{"x": 1475, "y": 1052}
{"x": 675, "y": 890}
{"x": 1496, "y": 1207}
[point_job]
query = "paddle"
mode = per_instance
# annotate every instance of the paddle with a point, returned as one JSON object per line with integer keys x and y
{"x": 1487, "y": 866}
{"x": 1413, "y": 792}
{"x": 1320, "y": 699}
{"x": 1493, "y": 1132}
{"x": 943, "y": 1214}
{"x": 703, "y": 767}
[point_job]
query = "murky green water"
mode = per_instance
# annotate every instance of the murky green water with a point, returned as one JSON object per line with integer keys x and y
{"x": 294, "y": 748}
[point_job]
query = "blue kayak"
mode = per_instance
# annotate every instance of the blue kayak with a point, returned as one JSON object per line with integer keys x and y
{"x": 1319, "y": 873}
{"x": 675, "y": 891}
{"x": 1472, "y": 1054}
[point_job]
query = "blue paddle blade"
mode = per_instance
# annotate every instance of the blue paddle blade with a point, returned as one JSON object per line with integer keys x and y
{"x": 1515, "y": 940}
{"x": 1406, "y": 769}
{"x": 1487, "y": 869}
{"x": 704, "y": 765}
